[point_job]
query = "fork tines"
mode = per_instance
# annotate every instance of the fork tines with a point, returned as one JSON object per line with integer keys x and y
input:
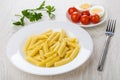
{"x": 111, "y": 25}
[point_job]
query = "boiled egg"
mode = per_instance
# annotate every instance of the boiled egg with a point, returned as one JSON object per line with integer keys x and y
{"x": 97, "y": 10}
{"x": 83, "y": 7}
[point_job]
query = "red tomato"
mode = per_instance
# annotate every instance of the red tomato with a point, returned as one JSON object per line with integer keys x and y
{"x": 71, "y": 10}
{"x": 95, "y": 18}
{"x": 85, "y": 19}
{"x": 75, "y": 17}
{"x": 85, "y": 13}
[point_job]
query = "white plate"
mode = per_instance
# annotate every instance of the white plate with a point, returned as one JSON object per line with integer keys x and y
{"x": 103, "y": 19}
{"x": 16, "y": 55}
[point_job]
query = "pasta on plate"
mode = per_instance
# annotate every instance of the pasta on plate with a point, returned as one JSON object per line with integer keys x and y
{"x": 51, "y": 49}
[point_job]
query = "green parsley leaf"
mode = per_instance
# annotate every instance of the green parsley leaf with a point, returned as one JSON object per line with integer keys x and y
{"x": 32, "y": 16}
{"x": 35, "y": 17}
{"x": 21, "y": 22}
{"x": 17, "y": 23}
{"x": 25, "y": 13}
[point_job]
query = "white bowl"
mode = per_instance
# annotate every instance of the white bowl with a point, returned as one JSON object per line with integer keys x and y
{"x": 16, "y": 55}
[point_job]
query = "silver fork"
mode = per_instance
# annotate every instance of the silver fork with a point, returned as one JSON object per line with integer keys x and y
{"x": 109, "y": 33}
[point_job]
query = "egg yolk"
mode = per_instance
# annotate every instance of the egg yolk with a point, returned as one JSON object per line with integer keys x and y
{"x": 97, "y": 10}
{"x": 85, "y": 6}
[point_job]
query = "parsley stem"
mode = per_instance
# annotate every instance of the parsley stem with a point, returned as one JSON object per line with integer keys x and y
{"x": 18, "y": 15}
{"x": 31, "y": 9}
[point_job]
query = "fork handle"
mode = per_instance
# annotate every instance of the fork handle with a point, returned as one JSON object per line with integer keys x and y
{"x": 104, "y": 53}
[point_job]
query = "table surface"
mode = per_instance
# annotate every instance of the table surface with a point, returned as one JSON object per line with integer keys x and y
{"x": 88, "y": 71}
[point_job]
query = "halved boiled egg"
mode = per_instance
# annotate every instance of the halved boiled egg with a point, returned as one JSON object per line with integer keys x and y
{"x": 83, "y": 7}
{"x": 97, "y": 10}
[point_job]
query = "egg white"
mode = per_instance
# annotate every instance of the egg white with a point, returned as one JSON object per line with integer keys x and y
{"x": 101, "y": 14}
{"x": 81, "y": 9}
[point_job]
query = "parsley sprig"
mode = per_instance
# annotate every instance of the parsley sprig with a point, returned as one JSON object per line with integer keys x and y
{"x": 34, "y": 15}
{"x": 50, "y": 10}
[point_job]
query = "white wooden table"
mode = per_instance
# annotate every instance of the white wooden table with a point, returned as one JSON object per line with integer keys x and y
{"x": 88, "y": 71}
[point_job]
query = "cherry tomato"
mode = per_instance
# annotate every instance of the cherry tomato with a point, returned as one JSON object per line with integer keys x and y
{"x": 85, "y": 13}
{"x": 85, "y": 19}
{"x": 71, "y": 10}
{"x": 95, "y": 19}
{"x": 75, "y": 17}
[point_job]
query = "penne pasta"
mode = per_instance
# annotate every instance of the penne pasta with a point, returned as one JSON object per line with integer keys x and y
{"x": 68, "y": 53}
{"x": 43, "y": 63}
{"x": 57, "y": 47}
{"x": 37, "y": 44}
{"x": 52, "y": 43}
{"x": 71, "y": 39}
{"x": 48, "y": 34}
{"x": 51, "y": 36}
{"x": 27, "y": 44}
{"x": 45, "y": 47}
{"x": 33, "y": 61}
{"x": 33, "y": 52}
{"x": 49, "y": 54}
{"x": 51, "y": 49}
{"x": 49, "y": 31}
{"x": 42, "y": 36}
{"x": 62, "y": 46}
{"x": 62, "y": 35}
{"x": 50, "y": 58}
{"x": 34, "y": 40}
{"x": 41, "y": 54}
{"x": 71, "y": 44}
{"x": 37, "y": 57}
{"x": 55, "y": 38}
{"x": 71, "y": 47}
{"x": 62, "y": 62}
{"x": 28, "y": 52}
{"x": 74, "y": 53}
{"x": 64, "y": 52}
{"x": 53, "y": 46}
{"x": 74, "y": 40}
{"x": 51, "y": 63}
